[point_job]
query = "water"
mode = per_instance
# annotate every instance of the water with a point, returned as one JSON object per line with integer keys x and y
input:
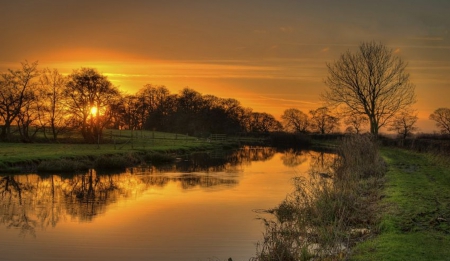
{"x": 199, "y": 208}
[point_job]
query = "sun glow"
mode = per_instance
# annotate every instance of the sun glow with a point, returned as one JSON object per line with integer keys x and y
{"x": 94, "y": 111}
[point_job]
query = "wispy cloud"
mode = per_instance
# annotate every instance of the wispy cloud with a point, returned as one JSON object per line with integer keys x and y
{"x": 427, "y": 38}
{"x": 286, "y": 29}
{"x": 267, "y": 98}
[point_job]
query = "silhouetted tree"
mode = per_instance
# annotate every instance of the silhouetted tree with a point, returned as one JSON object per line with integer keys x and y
{"x": 87, "y": 89}
{"x": 150, "y": 97}
{"x": 442, "y": 118}
{"x": 322, "y": 121}
{"x": 15, "y": 91}
{"x": 53, "y": 110}
{"x": 295, "y": 120}
{"x": 355, "y": 123}
{"x": 130, "y": 112}
{"x": 370, "y": 82}
{"x": 262, "y": 122}
{"x": 404, "y": 124}
{"x": 188, "y": 114}
{"x": 29, "y": 115}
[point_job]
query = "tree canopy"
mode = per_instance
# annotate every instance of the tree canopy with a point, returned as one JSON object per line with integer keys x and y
{"x": 372, "y": 82}
{"x": 442, "y": 118}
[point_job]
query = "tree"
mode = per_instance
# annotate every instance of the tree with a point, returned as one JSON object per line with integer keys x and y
{"x": 442, "y": 118}
{"x": 322, "y": 121}
{"x": 15, "y": 91}
{"x": 263, "y": 122}
{"x": 295, "y": 120}
{"x": 355, "y": 123}
{"x": 370, "y": 82}
{"x": 29, "y": 115}
{"x": 404, "y": 124}
{"x": 53, "y": 110}
{"x": 130, "y": 112}
{"x": 89, "y": 96}
{"x": 149, "y": 98}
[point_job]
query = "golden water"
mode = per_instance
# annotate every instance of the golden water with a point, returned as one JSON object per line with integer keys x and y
{"x": 199, "y": 208}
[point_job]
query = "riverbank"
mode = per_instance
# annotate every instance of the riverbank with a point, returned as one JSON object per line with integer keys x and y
{"x": 330, "y": 210}
{"x": 25, "y": 157}
{"x": 415, "y": 210}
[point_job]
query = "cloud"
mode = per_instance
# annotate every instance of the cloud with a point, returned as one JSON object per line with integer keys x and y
{"x": 286, "y": 29}
{"x": 288, "y": 100}
{"x": 432, "y": 39}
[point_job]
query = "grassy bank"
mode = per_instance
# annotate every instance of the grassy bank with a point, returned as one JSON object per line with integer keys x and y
{"x": 16, "y": 157}
{"x": 415, "y": 210}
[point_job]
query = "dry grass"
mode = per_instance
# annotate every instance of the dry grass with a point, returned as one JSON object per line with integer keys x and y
{"x": 329, "y": 212}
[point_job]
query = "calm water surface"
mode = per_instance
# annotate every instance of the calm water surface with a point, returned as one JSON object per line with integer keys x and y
{"x": 199, "y": 208}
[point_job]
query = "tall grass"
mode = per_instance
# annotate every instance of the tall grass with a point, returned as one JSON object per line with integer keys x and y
{"x": 329, "y": 212}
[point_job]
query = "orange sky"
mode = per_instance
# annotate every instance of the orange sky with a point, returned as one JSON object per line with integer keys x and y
{"x": 270, "y": 55}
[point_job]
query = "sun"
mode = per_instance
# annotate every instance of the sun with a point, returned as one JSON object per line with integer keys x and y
{"x": 94, "y": 110}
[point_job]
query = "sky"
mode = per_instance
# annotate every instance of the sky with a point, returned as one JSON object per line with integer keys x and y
{"x": 270, "y": 55}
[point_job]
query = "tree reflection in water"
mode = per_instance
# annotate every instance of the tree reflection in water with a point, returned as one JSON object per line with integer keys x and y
{"x": 293, "y": 158}
{"x": 34, "y": 201}
{"x": 322, "y": 163}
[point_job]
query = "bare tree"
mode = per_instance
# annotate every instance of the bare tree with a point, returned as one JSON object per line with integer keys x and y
{"x": 89, "y": 97}
{"x": 355, "y": 123}
{"x": 28, "y": 116}
{"x": 295, "y": 120}
{"x": 53, "y": 110}
{"x": 263, "y": 122}
{"x": 15, "y": 88}
{"x": 404, "y": 124}
{"x": 442, "y": 118}
{"x": 322, "y": 121}
{"x": 370, "y": 82}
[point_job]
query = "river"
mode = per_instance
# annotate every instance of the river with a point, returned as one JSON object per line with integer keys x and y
{"x": 201, "y": 207}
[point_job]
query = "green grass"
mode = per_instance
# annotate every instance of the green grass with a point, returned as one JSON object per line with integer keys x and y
{"x": 114, "y": 142}
{"x": 415, "y": 210}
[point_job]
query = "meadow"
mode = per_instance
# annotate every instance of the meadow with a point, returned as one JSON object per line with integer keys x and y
{"x": 114, "y": 142}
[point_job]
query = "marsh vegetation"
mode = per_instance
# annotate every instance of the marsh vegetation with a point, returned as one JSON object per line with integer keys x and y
{"x": 330, "y": 210}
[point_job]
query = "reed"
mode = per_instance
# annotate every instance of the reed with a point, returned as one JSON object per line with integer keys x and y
{"x": 327, "y": 213}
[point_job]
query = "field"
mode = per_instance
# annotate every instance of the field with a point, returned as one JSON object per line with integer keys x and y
{"x": 113, "y": 142}
{"x": 415, "y": 210}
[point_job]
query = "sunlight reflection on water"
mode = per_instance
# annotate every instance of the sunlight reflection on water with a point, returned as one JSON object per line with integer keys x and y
{"x": 200, "y": 208}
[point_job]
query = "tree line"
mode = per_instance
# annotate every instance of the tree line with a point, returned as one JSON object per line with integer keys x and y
{"x": 45, "y": 100}
{"x": 366, "y": 87}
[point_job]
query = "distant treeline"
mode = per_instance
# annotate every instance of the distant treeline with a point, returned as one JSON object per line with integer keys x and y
{"x": 44, "y": 101}
{"x": 36, "y": 100}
